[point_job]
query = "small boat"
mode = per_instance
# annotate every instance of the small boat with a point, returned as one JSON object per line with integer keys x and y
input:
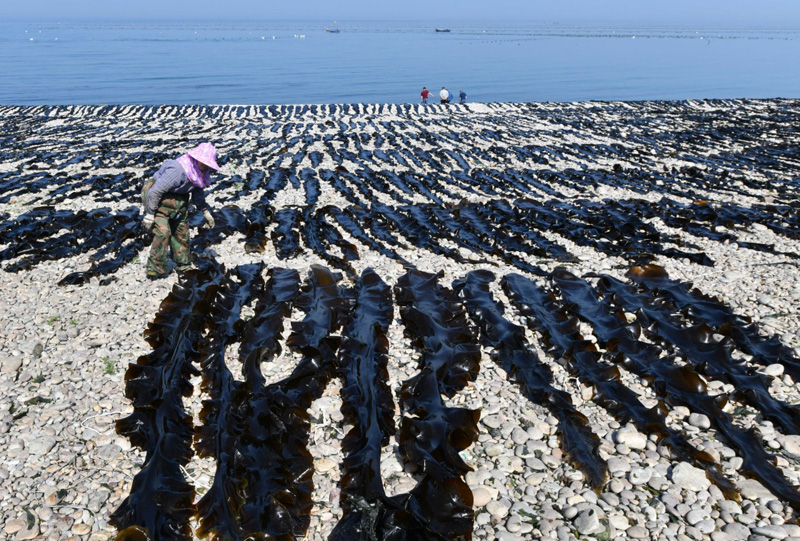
{"x": 332, "y": 30}
{"x": 442, "y": 29}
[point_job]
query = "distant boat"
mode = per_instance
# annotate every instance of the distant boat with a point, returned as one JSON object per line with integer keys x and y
{"x": 333, "y": 30}
{"x": 442, "y": 29}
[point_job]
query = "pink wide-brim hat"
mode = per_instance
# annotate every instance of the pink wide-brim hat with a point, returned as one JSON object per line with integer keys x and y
{"x": 205, "y": 153}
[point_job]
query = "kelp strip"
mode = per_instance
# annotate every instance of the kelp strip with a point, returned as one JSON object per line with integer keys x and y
{"x": 219, "y": 435}
{"x": 431, "y": 434}
{"x": 704, "y": 308}
{"x": 512, "y": 352}
{"x": 367, "y": 405}
{"x": 160, "y": 503}
{"x": 708, "y": 356}
{"x": 561, "y": 338}
{"x": 274, "y": 465}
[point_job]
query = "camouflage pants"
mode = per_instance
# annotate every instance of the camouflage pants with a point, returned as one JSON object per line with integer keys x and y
{"x": 170, "y": 232}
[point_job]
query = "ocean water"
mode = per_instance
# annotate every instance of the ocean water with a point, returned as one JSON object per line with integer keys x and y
{"x": 385, "y": 62}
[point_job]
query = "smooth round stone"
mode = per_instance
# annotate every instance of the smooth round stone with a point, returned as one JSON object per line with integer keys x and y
{"x": 495, "y": 449}
{"x": 535, "y": 433}
{"x": 519, "y": 436}
{"x": 688, "y": 477}
{"x": 569, "y": 512}
{"x": 81, "y": 529}
{"x": 699, "y": 420}
{"x": 610, "y": 498}
{"x": 616, "y": 486}
{"x": 587, "y": 522}
{"x": 483, "y": 519}
{"x": 771, "y": 532}
{"x": 480, "y": 497}
{"x": 695, "y": 516}
{"x": 639, "y": 476}
{"x": 513, "y": 524}
{"x": 706, "y": 526}
{"x": 637, "y": 532}
{"x": 618, "y": 465}
{"x": 620, "y": 522}
{"x": 497, "y": 509}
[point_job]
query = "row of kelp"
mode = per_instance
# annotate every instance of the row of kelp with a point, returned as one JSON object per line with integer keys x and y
{"x": 739, "y": 147}
{"x": 512, "y": 232}
{"x": 257, "y": 432}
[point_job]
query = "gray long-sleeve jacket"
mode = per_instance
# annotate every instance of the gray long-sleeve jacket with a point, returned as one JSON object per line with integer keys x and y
{"x": 171, "y": 178}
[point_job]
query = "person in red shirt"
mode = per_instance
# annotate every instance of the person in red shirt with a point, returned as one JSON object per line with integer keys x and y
{"x": 425, "y": 94}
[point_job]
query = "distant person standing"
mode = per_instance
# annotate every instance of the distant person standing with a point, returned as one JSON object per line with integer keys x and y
{"x": 444, "y": 95}
{"x": 462, "y": 96}
{"x": 425, "y": 94}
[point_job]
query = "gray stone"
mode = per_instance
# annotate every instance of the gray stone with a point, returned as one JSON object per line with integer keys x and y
{"x": 753, "y": 490}
{"x": 480, "y": 496}
{"x": 616, "y": 465}
{"x": 706, "y": 526}
{"x": 519, "y": 436}
{"x": 730, "y": 506}
{"x": 774, "y": 370}
{"x": 791, "y": 445}
{"x": 10, "y": 365}
{"x": 696, "y": 515}
{"x": 637, "y": 532}
{"x": 738, "y": 532}
{"x": 41, "y": 446}
{"x": 497, "y": 509}
{"x": 588, "y": 522}
{"x": 640, "y": 476}
{"x": 631, "y": 438}
{"x": 771, "y": 532}
{"x": 699, "y": 420}
{"x": 688, "y": 477}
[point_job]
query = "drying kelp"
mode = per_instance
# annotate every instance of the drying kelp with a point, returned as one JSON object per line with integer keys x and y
{"x": 678, "y": 385}
{"x": 275, "y": 466}
{"x": 561, "y": 336}
{"x": 512, "y": 352}
{"x": 709, "y": 310}
{"x": 160, "y": 503}
{"x": 220, "y": 435}
{"x": 368, "y": 406}
{"x": 431, "y": 434}
{"x": 708, "y": 356}
{"x": 499, "y": 191}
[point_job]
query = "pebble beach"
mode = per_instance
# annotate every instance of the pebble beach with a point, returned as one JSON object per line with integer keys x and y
{"x": 64, "y": 349}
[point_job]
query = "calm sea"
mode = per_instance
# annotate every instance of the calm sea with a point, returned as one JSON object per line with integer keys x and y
{"x": 385, "y": 62}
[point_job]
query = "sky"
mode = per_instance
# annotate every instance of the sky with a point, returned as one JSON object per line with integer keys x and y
{"x": 775, "y": 13}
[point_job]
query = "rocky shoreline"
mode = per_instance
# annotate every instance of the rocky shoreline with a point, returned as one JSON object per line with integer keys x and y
{"x": 625, "y": 173}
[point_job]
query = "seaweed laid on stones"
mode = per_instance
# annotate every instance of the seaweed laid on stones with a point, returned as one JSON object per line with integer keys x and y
{"x": 703, "y": 308}
{"x": 512, "y": 351}
{"x": 219, "y": 435}
{"x": 160, "y": 502}
{"x": 367, "y": 405}
{"x": 708, "y": 356}
{"x": 432, "y": 434}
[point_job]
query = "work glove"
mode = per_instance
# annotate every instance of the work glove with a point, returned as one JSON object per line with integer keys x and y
{"x": 209, "y": 219}
{"x": 148, "y": 221}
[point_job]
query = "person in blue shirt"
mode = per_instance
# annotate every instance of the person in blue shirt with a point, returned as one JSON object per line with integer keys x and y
{"x": 462, "y": 96}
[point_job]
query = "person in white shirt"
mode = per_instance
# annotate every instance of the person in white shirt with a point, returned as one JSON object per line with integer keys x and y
{"x": 444, "y": 95}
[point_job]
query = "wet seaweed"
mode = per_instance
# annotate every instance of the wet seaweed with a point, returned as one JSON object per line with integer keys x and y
{"x": 512, "y": 352}
{"x": 432, "y": 434}
{"x": 678, "y": 385}
{"x": 160, "y": 503}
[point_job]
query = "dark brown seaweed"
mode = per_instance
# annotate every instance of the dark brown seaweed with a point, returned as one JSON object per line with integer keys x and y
{"x": 160, "y": 503}
{"x": 513, "y": 353}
